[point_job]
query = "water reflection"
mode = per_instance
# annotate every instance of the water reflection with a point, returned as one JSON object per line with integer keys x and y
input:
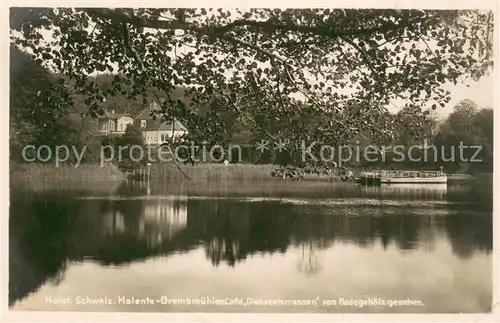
{"x": 47, "y": 232}
{"x": 309, "y": 262}
{"x": 152, "y": 220}
{"x": 418, "y": 191}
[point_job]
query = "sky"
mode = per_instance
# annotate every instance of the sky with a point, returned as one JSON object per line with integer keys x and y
{"x": 481, "y": 92}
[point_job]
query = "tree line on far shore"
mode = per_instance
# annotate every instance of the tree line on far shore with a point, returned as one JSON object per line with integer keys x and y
{"x": 40, "y": 115}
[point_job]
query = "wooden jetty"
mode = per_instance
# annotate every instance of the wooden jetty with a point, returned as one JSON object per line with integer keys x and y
{"x": 138, "y": 174}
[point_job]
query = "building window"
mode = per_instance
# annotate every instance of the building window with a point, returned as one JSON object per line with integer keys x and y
{"x": 121, "y": 126}
{"x": 143, "y": 123}
{"x": 163, "y": 137}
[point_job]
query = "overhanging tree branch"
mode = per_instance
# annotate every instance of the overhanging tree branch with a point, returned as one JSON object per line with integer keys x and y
{"x": 326, "y": 30}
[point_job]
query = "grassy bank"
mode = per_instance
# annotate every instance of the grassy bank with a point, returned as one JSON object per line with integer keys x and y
{"x": 68, "y": 187}
{"x": 35, "y": 172}
{"x": 170, "y": 171}
{"x": 211, "y": 171}
{"x": 82, "y": 180}
{"x": 159, "y": 171}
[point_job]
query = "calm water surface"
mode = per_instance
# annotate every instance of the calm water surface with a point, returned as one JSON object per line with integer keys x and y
{"x": 289, "y": 241}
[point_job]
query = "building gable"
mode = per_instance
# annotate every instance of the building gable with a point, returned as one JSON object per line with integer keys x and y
{"x": 146, "y": 114}
{"x": 172, "y": 126}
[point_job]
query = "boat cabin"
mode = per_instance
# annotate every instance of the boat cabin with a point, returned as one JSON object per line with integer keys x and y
{"x": 410, "y": 174}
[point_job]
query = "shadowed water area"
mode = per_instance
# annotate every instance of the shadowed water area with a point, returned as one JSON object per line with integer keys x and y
{"x": 199, "y": 248}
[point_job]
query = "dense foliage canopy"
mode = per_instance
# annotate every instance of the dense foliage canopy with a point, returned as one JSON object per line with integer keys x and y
{"x": 296, "y": 74}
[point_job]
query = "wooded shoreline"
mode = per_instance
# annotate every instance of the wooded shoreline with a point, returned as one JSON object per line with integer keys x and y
{"x": 161, "y": 171}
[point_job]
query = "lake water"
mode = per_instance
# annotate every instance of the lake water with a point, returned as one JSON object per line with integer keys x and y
{"x": 251, "y": 247}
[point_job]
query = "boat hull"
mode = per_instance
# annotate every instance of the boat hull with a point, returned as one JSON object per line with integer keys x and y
{"x": 415, "y": 180}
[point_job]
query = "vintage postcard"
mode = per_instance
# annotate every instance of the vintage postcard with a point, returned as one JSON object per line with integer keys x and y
{"x": 268, "y": 158}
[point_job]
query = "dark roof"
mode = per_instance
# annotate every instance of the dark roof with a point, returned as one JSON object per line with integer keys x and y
{"x": 169, "y": 125}
{"x": 152, "y": 125}
{"x": 111, "y": 115}
{"x": 146, "y": 113}
{"x": 159, "y": 122}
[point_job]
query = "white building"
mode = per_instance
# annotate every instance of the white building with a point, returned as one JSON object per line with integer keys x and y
{"x": 156, "y": 132}
{"x": 114, "y": 123}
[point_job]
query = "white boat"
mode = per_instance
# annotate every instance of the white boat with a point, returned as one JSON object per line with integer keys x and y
{"x": 413, "y": 177}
